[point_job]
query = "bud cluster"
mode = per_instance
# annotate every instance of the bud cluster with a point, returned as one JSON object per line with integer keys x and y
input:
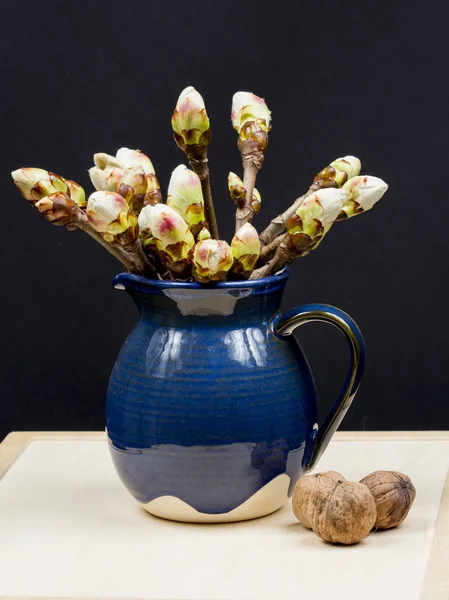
{"x": 129, "y": 173}
{"x": 35, "y": 184}
{"x": 179, "y": 239}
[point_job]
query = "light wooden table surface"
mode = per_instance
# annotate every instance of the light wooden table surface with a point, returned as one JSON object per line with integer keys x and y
{"x": 435, "y": 582}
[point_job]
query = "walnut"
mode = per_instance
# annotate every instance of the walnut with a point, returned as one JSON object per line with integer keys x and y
{"x": 394, "y": 494}
{"x": 344, "y": 514}
{"x": 305, "y": 489}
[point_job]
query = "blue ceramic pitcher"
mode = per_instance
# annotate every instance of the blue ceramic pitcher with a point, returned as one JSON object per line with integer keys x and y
{"x": 211, "y": 408}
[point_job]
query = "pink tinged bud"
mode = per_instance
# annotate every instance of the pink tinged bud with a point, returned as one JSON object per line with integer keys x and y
{"x": 169, "y": 230}
{"x": 317, "y": 213}
{"x": 190, "y": 122}
{"x": 133, "y": 182}
{"x": 136, "y": 178}
{"x": 247, "y": 108}
{"x": 58, "y": 209}
{"x": 134, "y": 158}
{"x": 108, "y": 212}
{"x": 245, "y": 247}
{"x": 363, "y": 193}
{"x": 212, "y": 259}
{"x": 113, "y": 178}
{"x": 185, "y": 195}
{"x": 76, "y": 193}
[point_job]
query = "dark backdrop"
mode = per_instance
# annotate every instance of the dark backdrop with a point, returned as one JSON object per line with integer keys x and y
{"x": 363, "y": 78}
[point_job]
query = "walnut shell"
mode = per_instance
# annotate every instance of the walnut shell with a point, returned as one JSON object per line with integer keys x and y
{"x": 305, "y": 489}
{"x": 394, "y": 494}
{"x": 344, "y": 514}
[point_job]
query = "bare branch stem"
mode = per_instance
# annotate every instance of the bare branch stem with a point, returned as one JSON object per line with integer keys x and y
{"x": 275, "y": 264}
{"x": 132, "y": 262}
{"x": 245, "y": 213}
{"x": 140, "y": 260}
{"x": 267, "y": 252}
{"x": 264, "y": 271}
{"x": 201, "y": 168}
{"x": 288, "y": 249}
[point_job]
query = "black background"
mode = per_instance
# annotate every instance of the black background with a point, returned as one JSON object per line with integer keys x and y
{"x": 363, "y": 78}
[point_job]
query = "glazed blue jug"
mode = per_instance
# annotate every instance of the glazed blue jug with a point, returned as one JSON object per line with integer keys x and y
{"x": 211, "y": 409}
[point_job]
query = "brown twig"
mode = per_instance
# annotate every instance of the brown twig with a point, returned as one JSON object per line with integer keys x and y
{"x": 264, "y": 271}
{"x": 290, "y": 247}
{"x": 252, "y": 159}
{"x": 245, "y": 211}
{"x": 267, "y": 252}
{"x": 133, "y": 261}
{"x": 201, "y": 168}
{"x": 138, "y": 256}
{"x": 275, "y": 264}
{"x": 238, "y": 196}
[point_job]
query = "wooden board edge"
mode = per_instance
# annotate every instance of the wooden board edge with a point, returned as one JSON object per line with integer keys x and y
{"x": 339, "y": 435}
{"x": 392, "y": 436}
{"x": 15, "y": 443}
{"x": 49, "y": 435}
{"x": 77, "y": 598}
{"x": 73, "y": 598}
{"x": 436, "y": 578}
{"x": 11, "y": 448}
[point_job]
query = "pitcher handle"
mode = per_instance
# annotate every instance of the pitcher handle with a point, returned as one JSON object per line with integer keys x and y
{"x": 284, "y": 324}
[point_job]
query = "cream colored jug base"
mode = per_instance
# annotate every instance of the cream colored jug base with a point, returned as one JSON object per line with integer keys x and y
{"x": 264, "y": 502}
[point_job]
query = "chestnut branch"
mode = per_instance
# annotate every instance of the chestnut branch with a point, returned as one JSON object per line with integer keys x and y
{"x": 277, "y": 225}
{"x": 178, "y": 240}
{"x": 200, "y": 166}
{"x": 134, "y": 260}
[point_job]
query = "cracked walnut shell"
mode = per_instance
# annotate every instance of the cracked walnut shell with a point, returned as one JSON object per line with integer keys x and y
{"x": 305, "y": 489}
{"x": 394, "y": 494}
{"x": 344, "y": 514}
